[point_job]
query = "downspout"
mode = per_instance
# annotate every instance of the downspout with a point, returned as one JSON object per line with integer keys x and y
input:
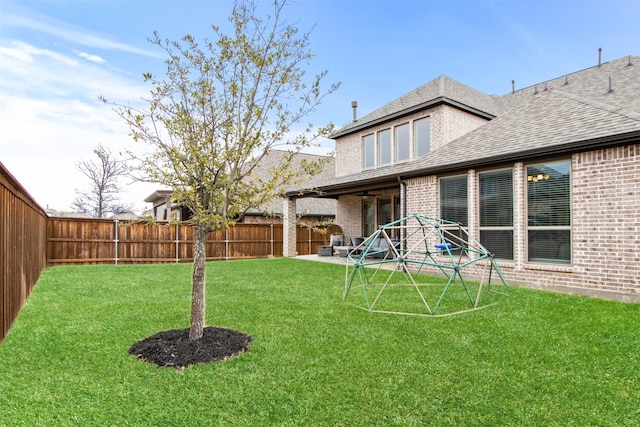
{"x": 403, "y": 186}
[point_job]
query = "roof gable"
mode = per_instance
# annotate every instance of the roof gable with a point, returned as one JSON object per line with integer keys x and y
{"x": 441, "y": 89}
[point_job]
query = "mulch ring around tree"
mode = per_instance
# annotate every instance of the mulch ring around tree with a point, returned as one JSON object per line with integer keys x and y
{"x": 172, "y": 348}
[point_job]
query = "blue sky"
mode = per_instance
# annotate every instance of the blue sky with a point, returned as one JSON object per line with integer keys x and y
{"x": 58, "y": 56}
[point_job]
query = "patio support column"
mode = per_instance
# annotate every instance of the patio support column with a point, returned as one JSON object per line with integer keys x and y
{"x": 289, "y": 227}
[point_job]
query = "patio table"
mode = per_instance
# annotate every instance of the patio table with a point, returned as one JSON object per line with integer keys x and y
{"x": 343, "y": 251}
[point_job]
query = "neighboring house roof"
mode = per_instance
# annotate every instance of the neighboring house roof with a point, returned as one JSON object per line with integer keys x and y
{"x": 158, "y": 195}
{"x": 273, "y": 159}
{"x": 125, "y": 216}
{"x": 61, "y": 214}
{"x": 588, "y": 109}
{"x": 315, "y": 207}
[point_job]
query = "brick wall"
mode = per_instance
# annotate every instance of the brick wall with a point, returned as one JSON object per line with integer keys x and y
{"x": 605, "y": 224}
{"x": 455, "y": 123}
{"x": 349, "y": 154}
{"x": 447, "y": 124}
{"x": 606, "y": 218}
{"x": 349, "y": 216}
{"x": 422, "y": 196}
{"x": 605, "y": 227}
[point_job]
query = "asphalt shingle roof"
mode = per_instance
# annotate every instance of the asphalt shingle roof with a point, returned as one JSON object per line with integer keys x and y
{"x": 442, "y": 87}
{"x": 551, "y": 115}
{"x": 308, "y": 206}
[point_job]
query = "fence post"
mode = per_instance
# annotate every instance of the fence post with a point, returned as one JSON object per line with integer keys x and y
{"x": 271, "y": 228}
{"x": 309, "y": 233}
{"x": 177, "y": 244}
{"x": 226, "y": 243}
{"x": 115, "y": 221}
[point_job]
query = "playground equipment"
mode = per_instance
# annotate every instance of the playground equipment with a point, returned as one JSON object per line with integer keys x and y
{"x": 389, "y": 269}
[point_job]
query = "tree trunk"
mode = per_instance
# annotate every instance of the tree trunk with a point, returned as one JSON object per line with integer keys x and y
{"x": 198, "y": 291}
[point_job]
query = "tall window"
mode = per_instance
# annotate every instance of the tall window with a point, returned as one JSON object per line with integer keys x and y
{"x": 422, "y": 136}
{"x": 549, "y": 212}
{"x": 368, "y": 217}
{"x": 403, "y": 142}
{"x": 496, "y": 212}
{"x": 453, "y": 199}
{"x": 368, "y": 151}
{"x": 454, "y": 207}
{"x": 385, "y": 211}
{"x": 384, "y": 147}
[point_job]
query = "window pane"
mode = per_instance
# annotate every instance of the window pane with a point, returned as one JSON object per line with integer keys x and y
{"x": 549, "y": 212}
{"x": 384, "y": 144}
{"x": 402, "y": 142}
{"x": 422, "y": 136}
{"x": 496, "y": 199}
{"x": 550, "y": 245}
{"x": 548, "y": 194}
{"x": 384, "y": 211}
{"x": 453, "y": 199}
{"x": 368, "y": 218}
{"x": 499, "y": 242}
{"x": 368, "y": 148}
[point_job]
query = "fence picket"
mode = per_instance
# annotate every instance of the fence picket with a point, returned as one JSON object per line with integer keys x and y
{"x": 30, "y": 241}
{"x": 23, "y": 230}
{"x": 98, "y": 241}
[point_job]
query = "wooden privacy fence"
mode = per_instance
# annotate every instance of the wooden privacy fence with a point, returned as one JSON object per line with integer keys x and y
{"x": 96, "y": 241}
{"x": 29, "y": 241}
{"x": 23, "y": 227}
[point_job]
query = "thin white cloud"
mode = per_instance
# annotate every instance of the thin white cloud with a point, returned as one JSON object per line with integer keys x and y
{"x": 73, "y": 34}
{"x": 43, "y": 141}
{"x": 51, "y": 118}
{"x": 27, "y": 69}
{"x": 16, "y": 53}
{"x": 90, "y": 57}
{"x": 26, "y": 53}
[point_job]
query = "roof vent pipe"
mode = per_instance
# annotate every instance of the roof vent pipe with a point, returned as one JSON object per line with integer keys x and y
{"x": 513, "y": 86}
{"x": 354, "y": 105}
{"x": 610, "y": 87}
{"x": 630, "y": 63}
{"x": 599, "y": 56}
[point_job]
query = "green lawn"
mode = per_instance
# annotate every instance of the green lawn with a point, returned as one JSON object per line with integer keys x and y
{"x": 534, "y": 359}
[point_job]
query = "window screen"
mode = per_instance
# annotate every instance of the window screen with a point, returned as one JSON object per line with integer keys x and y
{"x": 453, "y": 199}
{"x": 496, "y": 212}
{"x": 422, "y": 136}
{"x": 402, "y": 140}
{"x": 368, "y": 151}
{"x": 549, "y": 212}
{"x": 384, "y": 147}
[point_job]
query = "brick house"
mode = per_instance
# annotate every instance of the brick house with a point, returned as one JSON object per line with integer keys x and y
{"x": 308, "y": 210}
{"x": 548, "y": 177}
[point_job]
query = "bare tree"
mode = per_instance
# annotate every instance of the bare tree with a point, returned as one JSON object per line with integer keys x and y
{"x": 220, "y": 109}
{"x": 101, "y": 198}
